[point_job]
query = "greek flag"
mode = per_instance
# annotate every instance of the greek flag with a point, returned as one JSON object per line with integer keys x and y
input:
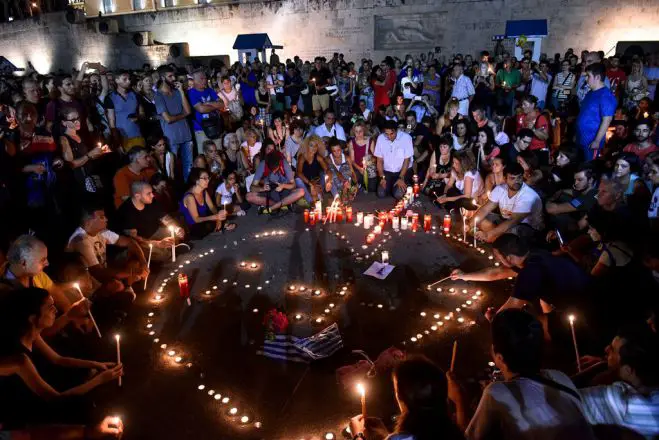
{"x": 304, "y": 350}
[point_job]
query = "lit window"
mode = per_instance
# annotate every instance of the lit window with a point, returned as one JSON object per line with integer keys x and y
{"x": 107, "y": 6}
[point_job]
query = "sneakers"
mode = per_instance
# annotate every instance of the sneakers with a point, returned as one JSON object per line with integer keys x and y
{"x": 264, "y": 211}
{"x": 303, "y": 203}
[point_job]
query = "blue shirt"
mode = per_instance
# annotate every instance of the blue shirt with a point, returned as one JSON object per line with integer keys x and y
{"x": 596, "y": 105}
{"x": 179, "y": 131}
{"x": 195, "y": 97}
{"x": 247, "y": 91}
{"x": 124, "y": 109}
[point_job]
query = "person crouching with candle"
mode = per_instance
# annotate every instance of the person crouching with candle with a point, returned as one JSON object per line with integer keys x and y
{"x": 422, "y": 394}
{"x": 198, "y": 209}
{"x": 441, "y": 163}
{"x": 311, "y": 169}
{"x": 394, "y": 152}
{"x": 90, "y": 241}
{"x": 228, "y": 196}
{"x": 342, "y": 175}
{"x": 24, "y": 315}
{"x": 464, "y": 184}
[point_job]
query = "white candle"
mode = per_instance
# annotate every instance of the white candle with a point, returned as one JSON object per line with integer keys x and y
{"x": 360, "y": 218}
{"x": 319, "y": 206}
{"x": 475, "y": 223}
{"x": 173, "y": 231}
{"x": 148, "y": 264}
{"x": 117, "y": 337}
{"x": 377, "y": 230}
{"x": 571, "y": 318}
{"x": 464, "y": 225}
{"x": 91, "y": 317}
{"x": 403, "y": 223}
{"x": 385, "y": 257}
{"x": 395, "y": 223}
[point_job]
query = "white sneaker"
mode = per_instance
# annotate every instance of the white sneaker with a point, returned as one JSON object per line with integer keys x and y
{"x": 240, "y": 213}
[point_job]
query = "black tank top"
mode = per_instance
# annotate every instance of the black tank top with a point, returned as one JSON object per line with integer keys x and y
{"x": 311, "y": 170}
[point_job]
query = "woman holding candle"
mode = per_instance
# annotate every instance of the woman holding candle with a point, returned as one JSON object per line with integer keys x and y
{"x": 493, "y": 179}
{"x": 278, "y": 132}
{"x": 485, "y": 148}
{"x": 24, "y": 315}
{"x": 445, "y": 122}
{"x": 198, "y": 209}
{"x": 311, "y": 169}
{"x": 361, "y": 148}
{"x": 464, "y": 185}
{"x": 422, "y": 394}
{"x": 440, "y": 165}
{"x": 248, "y": 150}
{"x": 225, "y": 194}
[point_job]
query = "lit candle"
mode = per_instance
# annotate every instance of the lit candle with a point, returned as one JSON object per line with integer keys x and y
{"x": 173, "y": 231}
{"x": 446, "y": 226}
{"x": 403, "y": 223}
{"x": 362, "y": 393}
{"x": 91, "y": 317}
{"x": 369, "y": 238}
{"x": 385, "y": 257}
{"x": 253, "y": 265}
{"x": 148, "y": 264}
{"x": 118, "y": 338}
{"x": 377, "y": 229}
{"x": 395, "y": 223}
{"x": 360, "y": 218}
{"x": 349, "y": 214}
{"x": 475, "y": 223}
{"x": 571, "y": 318}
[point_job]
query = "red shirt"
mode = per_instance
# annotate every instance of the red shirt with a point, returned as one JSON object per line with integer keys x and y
{"x": 539, "y": 122}
{"x": 616, "y": 77}
{"x": 641, "y": 153}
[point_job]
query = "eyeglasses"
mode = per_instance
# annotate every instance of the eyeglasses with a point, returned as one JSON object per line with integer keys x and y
{"x": 73, "y": 120}
{"x": 205, "y": 178}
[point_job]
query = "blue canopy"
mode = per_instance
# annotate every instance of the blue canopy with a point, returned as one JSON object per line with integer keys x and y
{"x": 529, "y": 28}
{"x": 252, "y": 41}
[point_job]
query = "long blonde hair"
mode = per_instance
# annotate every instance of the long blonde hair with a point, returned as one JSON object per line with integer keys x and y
{"x": 304, "y": 147}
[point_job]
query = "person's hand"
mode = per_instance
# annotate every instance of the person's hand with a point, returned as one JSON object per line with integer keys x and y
{"x": 484, "y": 236}
{"x": 457, "y": 274}
{"x": 108, "y": 428}
{"x": 551, "y": 236}
{"x": 79, "y": 309}
{"x": 588, "y": 361}
{"x": 454, "y": 388}
{"x": 164, "y": 243}
{"x": 442, "y": 199}
{"x": 280, "y": 188}
{"x": 37, "y": 169}
{"x": 313, "y": 189}
{"x": 490, "y": 313}
{"x": 383, "y": 182}
{"x": 328, "y": 185}
{"x": 110, "y": 374}
{"x": 357, "y": 425}
{"x": 102, "y": 366}
{"x": 96, "y": 152}
{"x": 266, "y": 187}
{"x": 346, "y": 184}
{"x": 400, "y": 183}
{"x": 222, "y": 215}
{"x": 179, "y": 86}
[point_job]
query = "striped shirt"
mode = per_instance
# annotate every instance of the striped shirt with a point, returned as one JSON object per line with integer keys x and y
{"x": 621, "y": 405}
{"x": 462, "y": 90}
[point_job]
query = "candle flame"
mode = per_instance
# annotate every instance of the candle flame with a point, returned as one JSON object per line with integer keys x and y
{"x": 117, "y": 337}
{"x": 571, "y": 318}
{"x": 361, "y": 390}
{"x": 171, "y": 228}
{"x": 76, "y": 285}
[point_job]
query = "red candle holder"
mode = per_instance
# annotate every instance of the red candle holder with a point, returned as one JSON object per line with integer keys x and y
{"x": 415, "y": 219}
{"x": 312, "y": 218}
{"x": 339, "y": 215}
{"x": 369, "y": 238}
{"x": 427, "y": 222}
{"x": 415, "y": 226}
{"x": 349, "y": 214}
{"x": 447, "y": 224}
{"x": 415, "y": 189}
{"x": 183, "y": 287}
{"x": 306, "y": 216}
{"x": 382, "y": 216}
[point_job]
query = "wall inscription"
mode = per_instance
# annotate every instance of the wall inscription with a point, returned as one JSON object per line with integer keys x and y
{"x": 409, "y": 31}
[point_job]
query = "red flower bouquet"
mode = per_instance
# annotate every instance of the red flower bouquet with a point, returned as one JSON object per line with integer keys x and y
{"x": 275, "y": 322}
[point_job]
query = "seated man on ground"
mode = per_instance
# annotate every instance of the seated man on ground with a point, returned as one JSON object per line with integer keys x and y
{"x": 273, "y": 187}
{"x": 531, "y": 403}
{"x": 542, "y": 278}
{"x": 520, "y": 208}
{"x": 631, "y": 404}
{"x": 27, "y": 258}
{"x": 567, "y": 207}
{"x": 394, "y": 151}
{"x": 142, "y": 219}
{"x": 90, "y": 240}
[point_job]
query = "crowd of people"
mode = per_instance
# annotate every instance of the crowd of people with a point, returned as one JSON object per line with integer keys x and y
{"x": 554, "y": 162}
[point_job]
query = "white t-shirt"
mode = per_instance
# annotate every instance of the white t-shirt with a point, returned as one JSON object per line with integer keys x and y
{"x": 407, "y": 91}
{"x": 270, "y": 80}
{"x": 526, "y": 200}
{"x": 92, "y": 249}
{"x": 525, "y": 409}
{"x": 227, "y": 194}
{"x": 253, "y": 150}
{"x": 539, "y": 87}
{"x": 654, "y": 205}
{"x": 335, "y": 130}
{"x": 394, "y": 153}
{"x": 476, "y": 185}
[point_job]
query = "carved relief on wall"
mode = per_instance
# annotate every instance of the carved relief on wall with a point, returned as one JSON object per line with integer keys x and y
{"x": 403, "y": 31}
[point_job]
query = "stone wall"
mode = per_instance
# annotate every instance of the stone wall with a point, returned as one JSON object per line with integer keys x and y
{"x": 358, "y": 28}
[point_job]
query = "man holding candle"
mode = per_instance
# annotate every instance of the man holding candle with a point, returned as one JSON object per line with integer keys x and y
{"x": 520, "y": 208}
{"x": 90, "y": 240}
{"x": 394, "y": 152}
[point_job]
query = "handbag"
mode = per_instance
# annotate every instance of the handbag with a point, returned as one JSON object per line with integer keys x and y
{"x": 212, "y": 126}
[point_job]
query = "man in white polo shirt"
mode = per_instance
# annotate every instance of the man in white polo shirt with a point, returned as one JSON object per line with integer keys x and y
{"x": 520, "y": 208}
{"x": 330, "y": 128}
{"x": 394, "y": 151}
{"x": 463, "y": 89}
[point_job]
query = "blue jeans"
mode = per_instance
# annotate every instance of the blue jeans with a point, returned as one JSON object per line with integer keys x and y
{"x": 184, "y": 152}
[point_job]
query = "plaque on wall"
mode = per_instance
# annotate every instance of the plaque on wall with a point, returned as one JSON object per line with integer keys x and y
{"x": 409, "y": 31}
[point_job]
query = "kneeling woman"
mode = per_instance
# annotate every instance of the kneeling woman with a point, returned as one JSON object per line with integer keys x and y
{"x": 198, "y": 208}
{"x": 440, "y": 165}
{"x": 342, "y": 176}
{"x": 465, "y": 184}
{"x": 28, "y": 398}
{"x": 311, "y": 167}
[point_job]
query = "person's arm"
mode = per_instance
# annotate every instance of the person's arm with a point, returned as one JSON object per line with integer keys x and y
{"x": 63, "y": 361}
{"x": 541, "y": 132}
{"x": 298, "y": 171}
{"x": 77, "y": 82}
{"x": 431, "y": 170}
{"x": 68, "y": 155}
{"x": 105, "y": 86}
{"x": 112, "y": 121}
{"x": 133, "y": 248}
{"x": 483, "y": 211}
{"x": 559, "y": 208}
{"x": 601, "y": 132}
{"x": 503, "y": 227}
